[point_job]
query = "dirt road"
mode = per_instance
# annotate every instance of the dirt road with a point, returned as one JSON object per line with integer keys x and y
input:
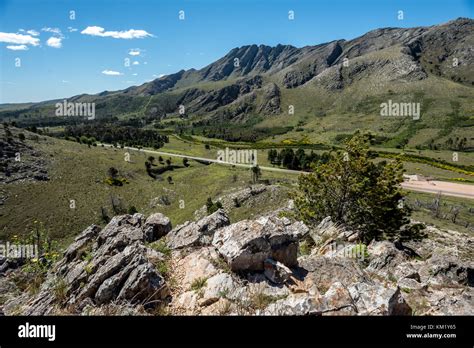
{"x": 446, "y": 188}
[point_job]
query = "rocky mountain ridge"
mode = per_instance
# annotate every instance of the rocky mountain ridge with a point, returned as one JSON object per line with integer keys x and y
{"x": 377, "y": 59}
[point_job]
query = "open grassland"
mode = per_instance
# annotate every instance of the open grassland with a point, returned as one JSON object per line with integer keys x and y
{"x": 423, "y": 210}
{"x": 78, "y": 172}
{"x": 195, "y": 146}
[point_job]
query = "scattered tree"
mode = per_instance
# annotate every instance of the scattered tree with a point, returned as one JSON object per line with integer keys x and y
{"x": 358, "y": 193}
{"x": 211, "y": 206}
{"x": 112, "y": 172}
{"x": 256, "y": 173}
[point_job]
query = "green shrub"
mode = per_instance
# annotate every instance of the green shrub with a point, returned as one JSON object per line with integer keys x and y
{"x": 161, "y": 247}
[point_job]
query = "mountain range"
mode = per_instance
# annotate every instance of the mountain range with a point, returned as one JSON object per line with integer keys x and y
{"x": 312, "y": 93}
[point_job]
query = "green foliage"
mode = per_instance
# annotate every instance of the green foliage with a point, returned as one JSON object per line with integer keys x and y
{"x": 354, "y": 191}
{"x": 260, "y": 300}
{"x": 360, "y": 249}
{"x": 211, "y": 206}
{"x": 198, "y": 284}
{"x": 458, "y": 168}
{"x": 113, "y": 180}
{"x": 221, "y": 264}
{"x": 231, "y": 131}
{"x": 116, "y": 182}
{"x": 256, "y": 173}
{"x": 163, "y": 268}
{"x": 236, "y": 202}
{"x": 87, "y": 256}
{"x": 60, "y": 289}
{"x": 35, "y": 269}
{"x": 299, "y": 160}
{"x": 104, "y": 215}
{"x": 132, "y": 210}
{"x": 161, "y": 247}
{"x": 304, "y": 248}
{"x": 115, "y": 133}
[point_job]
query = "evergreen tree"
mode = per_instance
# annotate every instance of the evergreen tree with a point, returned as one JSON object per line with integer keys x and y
{"x": 356, "y": 192}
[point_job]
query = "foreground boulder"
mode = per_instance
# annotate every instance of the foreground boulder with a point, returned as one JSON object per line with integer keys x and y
{"x": 246, "y": 244}
{"x": 197, "y": 233}
{"x": 376, "y": 299}
{"x": 101, "y": 267}
{"x": 276, "y": 271}
{"x": 156, "y": 226}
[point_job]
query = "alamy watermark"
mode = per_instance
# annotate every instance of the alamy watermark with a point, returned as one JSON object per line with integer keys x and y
{"x": 76, "y": 109}
{"x": 395, "y": 109}
{"x": 357, "y": 251}
{"x": 237, "y": 156}
{"x": 18, "y": 251}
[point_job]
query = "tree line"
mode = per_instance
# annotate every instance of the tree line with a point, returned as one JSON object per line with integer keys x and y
{"x": 296, "y": 160}
{"x": 122, "y": 135}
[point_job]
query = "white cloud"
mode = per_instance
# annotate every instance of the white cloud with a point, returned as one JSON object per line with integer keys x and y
{"x": 136, "y": 63}
{"x": 71, "y": 29}
{"x": 33, "y": 32}
{"x": 54, "y": 42}
{"x": 125, "y": 34}
{"x": 135, "y": 74}
{"x": 56, "y": 31}
{"x": 17, "y": 47}
{"x": 19, "y": 39}
{"x": 135, "y": 52}
{"x": 111, "y": 73}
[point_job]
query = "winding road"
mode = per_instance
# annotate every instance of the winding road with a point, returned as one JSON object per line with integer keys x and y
{"x": 446, "y": 188}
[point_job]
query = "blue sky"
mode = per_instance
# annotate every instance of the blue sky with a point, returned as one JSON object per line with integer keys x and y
{"x": 61, "y": 57}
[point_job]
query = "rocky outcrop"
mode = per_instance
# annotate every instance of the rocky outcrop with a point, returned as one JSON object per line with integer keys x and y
{"x": 223, "y": 96}
{"x": 252, "y": 267}
{"x": 197, "y": 233}
{"x": 246, "y": 244}
{"x": 101, "y": 267}
{"x": 156, "y": 226}
{"x": 255, "y": 197}
{"x": 19, "y": 160}
{"x": 271, "y": 100}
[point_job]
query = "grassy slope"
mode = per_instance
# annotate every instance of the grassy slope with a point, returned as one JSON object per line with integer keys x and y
{"x": 425, "y": 215}
{"x": 77, "y": 172}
